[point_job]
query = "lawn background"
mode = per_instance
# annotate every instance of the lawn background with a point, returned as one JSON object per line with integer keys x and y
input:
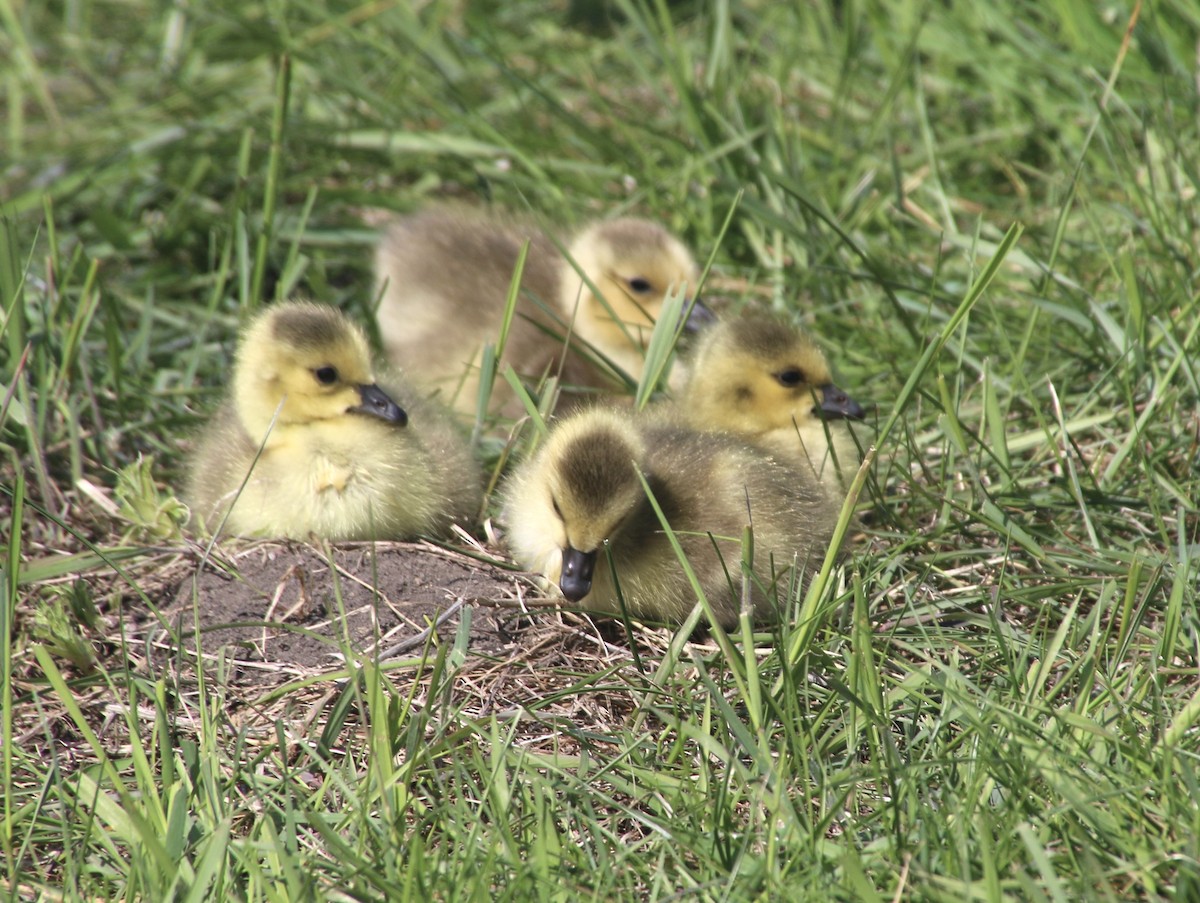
{"x": 986, "y": 212}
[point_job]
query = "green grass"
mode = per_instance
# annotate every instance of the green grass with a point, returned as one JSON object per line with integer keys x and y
{"x": 988, "y": 214}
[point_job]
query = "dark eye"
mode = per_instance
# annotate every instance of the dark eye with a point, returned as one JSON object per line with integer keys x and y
{"x": 640, "y": 285}
{"x": 326, "y": 376}
{"x": 557, "y": 510}
{"x": 792, "y": 377}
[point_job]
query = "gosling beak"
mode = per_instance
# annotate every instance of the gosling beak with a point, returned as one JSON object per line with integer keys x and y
{"x": 698, "y": 316}
{"x": 378, "y": 403}
{"x": 837, "y": 405}
{"x": 577, "y": 567}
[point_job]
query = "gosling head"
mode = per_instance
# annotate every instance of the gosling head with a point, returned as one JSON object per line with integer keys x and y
{"x": 310, "y": 363}
{"x": 634, "y": 264}
{"x": 758, "y": 373}
{"x": 591, "y": 488}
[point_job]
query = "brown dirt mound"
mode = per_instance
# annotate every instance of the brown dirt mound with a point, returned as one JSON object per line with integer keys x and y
{"x": 268, "y": 626}
{"x": 273, "y": 610}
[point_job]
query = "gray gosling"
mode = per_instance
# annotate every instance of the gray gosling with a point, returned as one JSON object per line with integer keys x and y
{"x": 346, "y": 458}
{"x": 759, "y": 377}
{"x": 580, "y": 496}
{"x": 445, "y": 274}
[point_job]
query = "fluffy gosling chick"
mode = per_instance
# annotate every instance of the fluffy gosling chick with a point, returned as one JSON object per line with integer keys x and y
{"x": 760, "y": 377}
{"x": 346, "y": 458}
{"x": 581, "y": 494}
{"x": 445, "y": 275}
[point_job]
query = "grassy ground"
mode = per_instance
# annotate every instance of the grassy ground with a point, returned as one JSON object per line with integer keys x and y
{"x": 987, "y": 212}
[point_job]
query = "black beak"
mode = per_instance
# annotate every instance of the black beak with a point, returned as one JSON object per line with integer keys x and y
{"x": 698, "y": 317}
{"x": 577, "y": 567}
{"x": 378, "y": 403}
{"x": 837, "y": 405}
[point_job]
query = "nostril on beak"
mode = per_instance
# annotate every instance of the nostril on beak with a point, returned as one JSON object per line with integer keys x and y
{"x": 577, "y": 568}
{"x": 378, "y": 403}
{"x": 836, "y": 404}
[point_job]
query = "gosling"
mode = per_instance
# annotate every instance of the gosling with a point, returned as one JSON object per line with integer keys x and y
{"x": 759, "y": 377}
{"x": 581, "y": 495}
{"x": 342, "y": 457}
{"x": 445, "y": 274}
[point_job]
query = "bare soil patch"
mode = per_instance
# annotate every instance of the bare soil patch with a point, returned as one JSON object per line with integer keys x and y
{"x": 274, "y": 629}
{"x": 272, "y": 609}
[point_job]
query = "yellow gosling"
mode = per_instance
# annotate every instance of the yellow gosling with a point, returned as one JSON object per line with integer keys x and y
{"x": 759, "y": 377}
{"x": 579, "y": 502}
{"x": 343, "y": 456}
{"x": 445, "y": 274}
